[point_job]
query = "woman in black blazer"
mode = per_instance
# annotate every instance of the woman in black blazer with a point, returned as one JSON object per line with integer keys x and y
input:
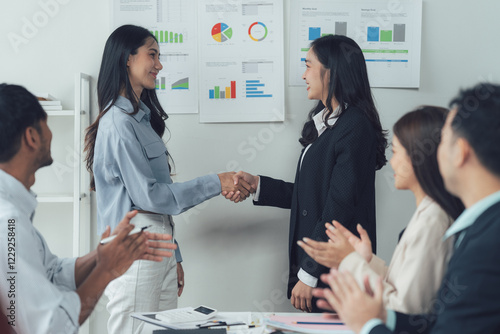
{"x": 344, "y": 145}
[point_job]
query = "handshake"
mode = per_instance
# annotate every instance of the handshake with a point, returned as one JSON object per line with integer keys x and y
{"x": 236, "y": 187}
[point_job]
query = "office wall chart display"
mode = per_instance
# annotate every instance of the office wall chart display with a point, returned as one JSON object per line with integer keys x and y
{"x": 388, "y": 32}
{"x": 241, "y": 61}
{"x": 175, "y": 27}
{"x": 223, "y": 58}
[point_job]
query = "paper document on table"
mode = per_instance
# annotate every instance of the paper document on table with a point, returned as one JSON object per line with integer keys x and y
{"x": 308, "y": 324}
{"x": 228, "y": 318}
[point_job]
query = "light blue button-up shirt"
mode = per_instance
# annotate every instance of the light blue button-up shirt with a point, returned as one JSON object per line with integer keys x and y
{"x": 37, "y": 289}
{"x": 464, "y": 221}
{"x": 131, "y": 169}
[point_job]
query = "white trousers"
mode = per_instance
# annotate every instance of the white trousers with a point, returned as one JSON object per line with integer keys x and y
{"x": 147, "y": 286}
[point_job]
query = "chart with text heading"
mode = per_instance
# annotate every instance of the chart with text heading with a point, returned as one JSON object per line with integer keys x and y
{"x": 223, "y": 59}
{"x": 241, "y": 61}
{"x": 174, "y": 27}
{"x": 389, "y": 34}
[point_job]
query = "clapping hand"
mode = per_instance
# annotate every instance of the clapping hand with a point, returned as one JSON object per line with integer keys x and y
{"x": 342, "y": 242}
{"x": 248, "y": 181}
{"x": 118, "y": 255}
{"x": 330, "y": 253}
{"x": 362, "y": 245}
{"x": 353, "y": 305}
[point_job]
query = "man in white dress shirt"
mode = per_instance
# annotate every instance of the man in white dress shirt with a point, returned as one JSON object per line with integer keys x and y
{"x": 39, "y": 292}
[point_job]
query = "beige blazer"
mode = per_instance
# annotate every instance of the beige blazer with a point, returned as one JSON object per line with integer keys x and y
{"x": 417, "y": 267}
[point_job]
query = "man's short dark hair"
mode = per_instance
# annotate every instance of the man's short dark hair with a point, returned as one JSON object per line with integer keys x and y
{"x": 19, "y": 109}
{"x": 478, "y": 121}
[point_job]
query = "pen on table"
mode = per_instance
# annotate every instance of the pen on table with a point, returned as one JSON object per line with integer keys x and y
{"x": 223, "y": 324}
{"x": 212, "y": 323}
{"x": 134, "y": 231}
{"x": 317, "y": 323}
{"x": 231, "y": 326}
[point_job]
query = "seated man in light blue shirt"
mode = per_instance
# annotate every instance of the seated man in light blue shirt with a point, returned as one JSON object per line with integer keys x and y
{"x": 39, "y": 292}
{"x": 469, "y": 298}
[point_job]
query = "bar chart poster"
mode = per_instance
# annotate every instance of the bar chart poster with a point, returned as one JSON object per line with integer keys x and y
{"x": 389, "y": 35}
{"x": 241, "y": 61}
{"x": 175, "y": 28}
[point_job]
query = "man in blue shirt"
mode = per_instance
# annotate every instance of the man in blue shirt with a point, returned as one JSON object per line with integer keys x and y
{"x": 39, "y": 292}
{"x": 469, "y": 298}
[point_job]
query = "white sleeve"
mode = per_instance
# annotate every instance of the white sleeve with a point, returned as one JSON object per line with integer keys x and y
{"x": 41, "y": 297}
{"x": 307, "y": 278}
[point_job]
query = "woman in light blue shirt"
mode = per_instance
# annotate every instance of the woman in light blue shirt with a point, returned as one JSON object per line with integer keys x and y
{"x": 129, "y": 162}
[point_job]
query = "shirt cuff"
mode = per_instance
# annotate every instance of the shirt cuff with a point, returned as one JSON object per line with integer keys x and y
{"x": 391, "y": 320}
{"x": 177, "y": 252}
{"x": 371, "y": 324}
{"x": 212, "y": 184}
{"x": 64, "y": 274}
{"x": 307, "y": 278}
{"x": 255, "y": 195}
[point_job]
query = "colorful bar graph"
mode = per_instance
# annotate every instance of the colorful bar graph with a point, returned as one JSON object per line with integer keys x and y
{"x": 227, "y": 92}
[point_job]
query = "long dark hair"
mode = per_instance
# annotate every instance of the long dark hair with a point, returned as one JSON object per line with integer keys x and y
{"x": 113, "y": 79}
{"x": 419, "y": 132}
{"x": 349, "y": 85}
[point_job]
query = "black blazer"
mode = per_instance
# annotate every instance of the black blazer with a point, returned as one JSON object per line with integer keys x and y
{"x": 336, "y": 181}
{"x": 469, "y": 298}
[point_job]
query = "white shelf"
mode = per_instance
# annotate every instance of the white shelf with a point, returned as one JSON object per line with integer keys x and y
{"x": 79, "y": 198}
{"x": 60, "y": 112}
{"x": 55, "y": 198}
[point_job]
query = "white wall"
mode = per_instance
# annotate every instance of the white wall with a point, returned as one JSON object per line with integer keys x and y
{"x": 236, "y": 255}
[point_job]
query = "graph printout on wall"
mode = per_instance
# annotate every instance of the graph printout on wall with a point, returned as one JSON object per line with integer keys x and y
{"x": 175, "y": 28}
{"x": 388, "y": 32}
{"x": 222, "y": 58}
{"x": 241, "y": 60}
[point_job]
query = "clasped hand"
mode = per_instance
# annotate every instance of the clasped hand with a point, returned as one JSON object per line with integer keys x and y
{"x": 118, "y": 255}
{"x": 238, "y": 186}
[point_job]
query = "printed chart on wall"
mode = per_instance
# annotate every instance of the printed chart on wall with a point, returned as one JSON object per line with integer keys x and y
{"x": 241, "y": 60}
{"x": 388, "y": 32}
{"x": 173, "y": 24}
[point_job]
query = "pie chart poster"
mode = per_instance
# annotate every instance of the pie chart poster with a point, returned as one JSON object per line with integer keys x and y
{"x": 241, "y": 61}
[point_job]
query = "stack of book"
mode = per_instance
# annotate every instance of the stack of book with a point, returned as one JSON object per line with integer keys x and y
{"x": 48, "y": 102}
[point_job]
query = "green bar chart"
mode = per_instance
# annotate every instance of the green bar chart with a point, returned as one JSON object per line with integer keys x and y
{"x": 166, "y": 36}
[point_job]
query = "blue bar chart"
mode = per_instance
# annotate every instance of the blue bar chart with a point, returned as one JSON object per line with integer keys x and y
{"x": 255, "y": 88}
